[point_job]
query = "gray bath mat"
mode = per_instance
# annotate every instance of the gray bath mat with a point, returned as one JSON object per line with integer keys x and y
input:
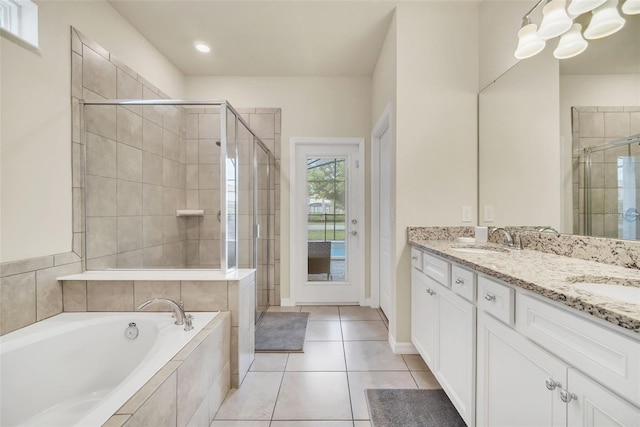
{"x": 281, "y": 332}
{"x": 411, "y": 408}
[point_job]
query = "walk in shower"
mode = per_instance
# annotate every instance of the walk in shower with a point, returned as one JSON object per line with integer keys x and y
{"x": 609, "y": 189}
{"x": 177, "y": 185}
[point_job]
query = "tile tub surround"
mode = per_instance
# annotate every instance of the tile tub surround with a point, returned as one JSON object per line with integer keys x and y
{"x": 200, "y": 290}
{"x": 189, "y": 389}
{"x": 548, "y": 275}
{"x": 29, "y": 290}
{"x": 623, "y": 253}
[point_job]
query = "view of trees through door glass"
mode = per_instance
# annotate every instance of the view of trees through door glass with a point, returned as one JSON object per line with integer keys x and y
{"x": 326, "y": 188}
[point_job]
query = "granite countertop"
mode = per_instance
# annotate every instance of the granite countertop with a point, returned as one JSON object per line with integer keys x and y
{"x": 552, "y": 276}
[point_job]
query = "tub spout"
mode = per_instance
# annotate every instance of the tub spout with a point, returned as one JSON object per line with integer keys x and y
{"x": 181, "y": 317}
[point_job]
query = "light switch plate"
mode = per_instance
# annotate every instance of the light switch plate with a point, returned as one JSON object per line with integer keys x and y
{"x": 488, "y": 214}
{"x": 466, "y": 214}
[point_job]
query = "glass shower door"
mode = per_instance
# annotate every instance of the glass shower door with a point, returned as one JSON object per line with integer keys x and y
{"x": 229, "y": 176}
{"x": 263, "y": 240}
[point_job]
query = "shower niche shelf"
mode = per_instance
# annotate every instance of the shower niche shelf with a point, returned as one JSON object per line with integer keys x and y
{"x": 190, "y": 212}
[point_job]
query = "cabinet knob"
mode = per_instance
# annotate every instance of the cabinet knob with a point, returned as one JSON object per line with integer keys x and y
{"x": 431, "y": 292}
{"x": 567, "y": 397}
{"x": 551, "y": 384}
{"x": 459, "y": 282}
{"x": 415, "y": 257}
{"x": 490, "y": 297}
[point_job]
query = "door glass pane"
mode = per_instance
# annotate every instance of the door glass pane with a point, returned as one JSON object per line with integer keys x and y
{"x": 326, "y": 225}
{"x": 231, "y": 176}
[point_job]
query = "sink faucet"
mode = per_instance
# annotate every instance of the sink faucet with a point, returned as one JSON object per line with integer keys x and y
{"x": 508, "y": 240}
{"x": 548, "y": 229}
{"x": 181, "y": 317}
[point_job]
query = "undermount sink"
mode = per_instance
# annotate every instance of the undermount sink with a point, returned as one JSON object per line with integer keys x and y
{"x": 480, "y": 250}
{"x": 619, "y": 292}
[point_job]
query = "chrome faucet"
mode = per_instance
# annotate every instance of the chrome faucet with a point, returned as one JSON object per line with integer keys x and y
{"x": 508, "y": 240}
{"x": 548, "y": 230}
{"x": 181, "y": 317}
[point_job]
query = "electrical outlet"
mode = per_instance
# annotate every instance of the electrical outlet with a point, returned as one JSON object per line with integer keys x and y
{"x": 488, "y": 214}
{"x": 466, "y": 214}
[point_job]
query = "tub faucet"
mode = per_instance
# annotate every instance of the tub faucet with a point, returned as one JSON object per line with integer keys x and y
{"x": 508, "y": 240}
{"x": 181, "y": 317}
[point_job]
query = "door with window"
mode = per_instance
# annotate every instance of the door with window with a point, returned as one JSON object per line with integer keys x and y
{"x": 327, "y": 242}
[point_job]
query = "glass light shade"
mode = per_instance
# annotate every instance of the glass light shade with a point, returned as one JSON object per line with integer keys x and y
{"x": 631, "y": 7}
{"x": 529, "y": 44}
{"x": 578, "y": 7}
{"x": 555, "y": 20}
{"x": 571, "y": 43}
{"x": 605, "y": 21}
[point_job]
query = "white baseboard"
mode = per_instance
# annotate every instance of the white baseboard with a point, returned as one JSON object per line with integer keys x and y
{"x": 368, "y": 302}
{"x": 286, "y": 302}
{"x": 401, "y": 347}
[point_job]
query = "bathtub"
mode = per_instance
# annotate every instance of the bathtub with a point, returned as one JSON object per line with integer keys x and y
{"x": 79, "y": 368}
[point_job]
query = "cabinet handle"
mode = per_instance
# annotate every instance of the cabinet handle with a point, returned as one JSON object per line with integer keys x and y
{"x": 431, "y": 292}
{"x": 551, "y": 384}
{"x": 567, "y": 397}
{"x": 459, "y": 282}
{"x": 490, "y": 297}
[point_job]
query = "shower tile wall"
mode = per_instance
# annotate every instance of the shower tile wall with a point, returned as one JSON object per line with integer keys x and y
{"x": 592, "y": 126}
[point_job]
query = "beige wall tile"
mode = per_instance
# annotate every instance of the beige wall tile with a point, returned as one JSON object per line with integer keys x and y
{"x": 152, "y": 168}
{"x": 204, "y": 296}
{"x": 132, "y": 259}
{"x": 77, "y": 167}
{"x": 66, "y": 258}
{"x": 110, "y": 296}
{"x": 160, "y": 409}
{"x": 208, "y": 152}
{"x": 153, "y": 256}
{"x": 76, "y": 75}
{"x": 192, "y": 177}
{"x": 153, "y": 231}
{"x": 171, "y": 173}
{"x": 49, "y": 290}
{"x": 209, "y": 227}
{"x": 591, "y": 125}
{"x": 263, "y": 125}
{"x": 170, "y": 145}
{"x": 210, "y": 253}
{"x": 175, "y": 255}
{"x": 142, "y": 395}
{"x": 129, "y": 129}
{"x": 101, "y": 120}
{"x": 209, "y": 126}
{"x": 129, "y": 233}
{"x": 151, "y": 199}
{"x": 201, "y": 415}
{"x": 74, "y": 295}
{"x": 145, "y": 290}
{"x": 209, "y": 177}
{"x": 25, "y": 266}
{"x": 18, "y": 302}
{"x": 195, "y": 378}
{"x": 151, "y": 137}
{"x": 209, "y": 201}
{"x": 129, "y": 163}
{"x": 170, "y": 200}
{"x": 174, "y": 228}
{"x": 102, "y": 236}
{"x": 101, "y": 196}
{"x": 98, "y": 74}
{"x": 101, "y": 156}
{"x": 616, "y": 125}
{"x": 117, "y": 421}
{"x": 127, "y": 87}
{"x": 129, "y": 198}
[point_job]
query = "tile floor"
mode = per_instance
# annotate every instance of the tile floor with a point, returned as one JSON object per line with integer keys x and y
{"x": 346, "y": 351}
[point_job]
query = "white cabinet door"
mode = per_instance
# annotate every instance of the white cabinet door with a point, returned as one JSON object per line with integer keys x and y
{"x": 596, "y": 406}
{"x": 423, "y": 316}
{"x": 512, "y": 376}
{"x": 456, "y": 344}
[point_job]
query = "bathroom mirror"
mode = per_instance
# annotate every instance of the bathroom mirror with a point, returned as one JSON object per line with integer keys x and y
{"x": 526, "y": 171}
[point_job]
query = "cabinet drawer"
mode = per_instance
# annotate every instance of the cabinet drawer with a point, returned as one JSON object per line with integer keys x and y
{"x": 416, "y": 258}
{"x": 438, "y": 269}
{"x": 608, "y": 357}
{"x": 463, "y": 282}
{"x": 496, "y": 299}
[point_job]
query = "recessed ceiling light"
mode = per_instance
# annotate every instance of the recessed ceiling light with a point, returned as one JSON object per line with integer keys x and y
{"x": 202, "y": 47}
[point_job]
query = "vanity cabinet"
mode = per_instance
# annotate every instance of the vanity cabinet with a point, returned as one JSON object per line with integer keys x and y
{"x": 443, "y": 331}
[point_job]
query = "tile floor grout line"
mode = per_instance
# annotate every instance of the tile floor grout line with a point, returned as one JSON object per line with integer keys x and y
{"x": 346, "y": 370}
{"x": 275, "y": 404}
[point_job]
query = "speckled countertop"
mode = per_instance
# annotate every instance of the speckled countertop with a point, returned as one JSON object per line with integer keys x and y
{"x": 549, "y": 275}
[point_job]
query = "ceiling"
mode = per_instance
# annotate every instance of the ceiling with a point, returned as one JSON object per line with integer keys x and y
{"x": 264, "y": 38}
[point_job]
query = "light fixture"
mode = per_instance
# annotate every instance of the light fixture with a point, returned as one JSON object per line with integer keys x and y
{"x": 571, "y": 43}
{"x": 578, "y": 7}
{"x": 631, "y": 7}
{"x": 555, "y": 20}
{"x": 605, "y": 21}
{"x": 202, "y": 47}
{"x": 529, "y": 44}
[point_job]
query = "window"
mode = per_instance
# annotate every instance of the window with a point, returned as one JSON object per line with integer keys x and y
{"x": 19, "y": 21}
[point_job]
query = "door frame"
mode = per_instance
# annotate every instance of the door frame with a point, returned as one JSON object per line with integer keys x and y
{"x": 383, "y": 125}
{"x": 360, "y": 211}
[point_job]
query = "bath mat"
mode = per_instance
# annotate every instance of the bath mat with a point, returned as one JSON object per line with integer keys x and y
{"x": 411, "y": 408}
{"x": 281, "y": 332}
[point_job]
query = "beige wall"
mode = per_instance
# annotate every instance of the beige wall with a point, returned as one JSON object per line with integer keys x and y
{"x": 36, "y": 121}
{"x": 311, "y": 106}
{"x": 436, "y": 133}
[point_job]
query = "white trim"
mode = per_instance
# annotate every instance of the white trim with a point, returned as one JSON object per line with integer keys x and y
{"x": 286, "y": 302}
{"x": 401, "y": 347}
{"x": 296, "y": 142}
{"x": 383, "y": 124}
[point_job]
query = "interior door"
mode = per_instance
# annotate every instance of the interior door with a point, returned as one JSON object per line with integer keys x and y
{"x": 328, "y": 246}
{"x": 385, "y": 223}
